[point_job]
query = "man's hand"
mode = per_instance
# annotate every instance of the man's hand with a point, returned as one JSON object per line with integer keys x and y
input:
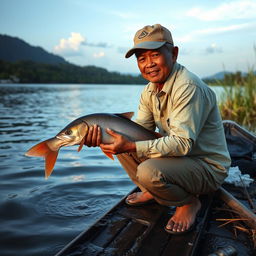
{"x": 120, "y": 145}
{"x": 93, "y": 138}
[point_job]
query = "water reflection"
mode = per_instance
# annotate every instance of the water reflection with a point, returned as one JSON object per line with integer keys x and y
{"x": 42, "y": 216}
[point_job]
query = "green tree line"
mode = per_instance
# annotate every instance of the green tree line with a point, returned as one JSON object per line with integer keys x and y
{"x": 31, "y": 72}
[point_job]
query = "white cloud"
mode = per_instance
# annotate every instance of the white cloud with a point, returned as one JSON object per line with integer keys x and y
{"x": 219, "y": 30}
{"x": 70, "y": 45}
{"x": 214, "y": 31}
{"x": 242, "y": 9}
{"x": 99, "y": 55}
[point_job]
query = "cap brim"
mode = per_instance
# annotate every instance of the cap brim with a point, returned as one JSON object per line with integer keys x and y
{"x": 145, "y": 45}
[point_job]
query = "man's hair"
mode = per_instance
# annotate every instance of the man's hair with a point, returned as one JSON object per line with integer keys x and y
{"x": 168, "y": 46}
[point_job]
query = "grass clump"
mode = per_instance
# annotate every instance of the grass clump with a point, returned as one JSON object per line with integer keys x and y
{"x": 238, "y": 102}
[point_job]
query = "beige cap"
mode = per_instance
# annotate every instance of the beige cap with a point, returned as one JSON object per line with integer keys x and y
{"x": 150, "y": 37}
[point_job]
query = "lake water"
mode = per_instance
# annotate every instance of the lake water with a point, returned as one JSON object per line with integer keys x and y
{"x": 38, "y": 216}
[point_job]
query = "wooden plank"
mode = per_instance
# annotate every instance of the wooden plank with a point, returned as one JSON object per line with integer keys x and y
{"x": 157, "y": 240}
{"x": 129, "y": 239}
{"x": 136, "y": 231}
{"x": 112, "y": 229}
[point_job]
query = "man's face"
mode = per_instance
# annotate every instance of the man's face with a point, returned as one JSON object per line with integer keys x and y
{"x": 156, "y": 65}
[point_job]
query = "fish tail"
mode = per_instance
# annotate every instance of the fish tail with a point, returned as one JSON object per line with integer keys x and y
{"x": 43, "y": 150}
{"x": 50, "y": 160}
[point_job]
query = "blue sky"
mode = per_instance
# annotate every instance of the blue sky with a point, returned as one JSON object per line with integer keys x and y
{"x": 212, "y": 35}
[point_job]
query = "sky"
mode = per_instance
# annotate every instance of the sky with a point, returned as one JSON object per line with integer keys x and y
{"x": 212, "y": 36}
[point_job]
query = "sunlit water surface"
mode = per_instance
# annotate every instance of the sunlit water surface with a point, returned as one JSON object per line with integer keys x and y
{"x": 38, "y": 216}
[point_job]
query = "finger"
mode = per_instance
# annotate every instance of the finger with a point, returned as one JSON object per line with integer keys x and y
{"x": 94, "y": 135}
{"x": 106, "y": 147}
{"x": 99, "y": 136}
{"x": 88, "y": 141}
{"x": 108, "y": 152}
{"x": 112, "y": 133}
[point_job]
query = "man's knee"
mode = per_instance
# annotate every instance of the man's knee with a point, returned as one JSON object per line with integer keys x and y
{"x": 148, "y": 174}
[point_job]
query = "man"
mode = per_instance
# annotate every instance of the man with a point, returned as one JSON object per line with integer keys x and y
{"x": 191, "y": 157}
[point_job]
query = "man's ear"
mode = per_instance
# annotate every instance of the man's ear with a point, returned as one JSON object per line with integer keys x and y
{"x": 175, "y": 52}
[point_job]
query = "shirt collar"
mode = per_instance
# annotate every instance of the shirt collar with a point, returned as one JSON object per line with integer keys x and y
{"x": 172, "y": 77}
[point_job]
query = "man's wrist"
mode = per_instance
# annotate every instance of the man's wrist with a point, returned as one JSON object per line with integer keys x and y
{"x": 131, "y": 147}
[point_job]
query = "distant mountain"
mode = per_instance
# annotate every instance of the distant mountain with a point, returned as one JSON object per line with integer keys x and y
{"x": 13, "y": 49}
{"x": 21, "y": 62}
{"x": 221, "y": 75}
{"x": 217, "y": 76}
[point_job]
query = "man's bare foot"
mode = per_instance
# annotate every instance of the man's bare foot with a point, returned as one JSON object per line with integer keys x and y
{"x": 184, "y": 217}
{"x": 138, "y": 198}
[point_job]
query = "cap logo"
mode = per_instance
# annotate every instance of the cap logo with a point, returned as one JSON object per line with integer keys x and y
{"x": 143, "y": 34}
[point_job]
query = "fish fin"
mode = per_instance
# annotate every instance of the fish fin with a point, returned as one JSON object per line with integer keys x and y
{"x": 50, "y": 160}
{"x": 81, "y": 144}
{"x": 41, "y": 150}
{"x": 109, "y": 155}
{"x": 127, "y": 115}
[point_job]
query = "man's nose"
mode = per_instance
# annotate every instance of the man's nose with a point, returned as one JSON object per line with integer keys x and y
{"x": 150, "y": 62}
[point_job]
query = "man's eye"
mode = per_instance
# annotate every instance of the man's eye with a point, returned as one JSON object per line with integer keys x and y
{"x": 68, "y": 132}
{"x": 141, "y": 59}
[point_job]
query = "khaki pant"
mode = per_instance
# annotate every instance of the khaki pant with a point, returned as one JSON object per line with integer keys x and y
{"x": 173, "y": 181}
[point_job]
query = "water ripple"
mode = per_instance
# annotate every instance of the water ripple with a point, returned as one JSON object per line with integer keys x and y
{"x": 40, "y": 215}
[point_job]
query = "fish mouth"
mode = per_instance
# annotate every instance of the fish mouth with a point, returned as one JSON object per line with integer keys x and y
{"x": 66, "y": 140}
{"x": 63, "y": 137}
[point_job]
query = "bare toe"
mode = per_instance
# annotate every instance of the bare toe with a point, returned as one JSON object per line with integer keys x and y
{"x": 170, "y": 224}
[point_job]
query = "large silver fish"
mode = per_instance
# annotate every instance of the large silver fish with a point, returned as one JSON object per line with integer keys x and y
{"x": 75, "y": 134}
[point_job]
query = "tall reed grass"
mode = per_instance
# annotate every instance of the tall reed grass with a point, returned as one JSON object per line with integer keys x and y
{"x": 238, "y": 103}
{"x": 239, "y": 100}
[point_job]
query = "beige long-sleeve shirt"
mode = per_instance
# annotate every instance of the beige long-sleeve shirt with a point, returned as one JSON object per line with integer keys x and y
{"x": 185, "y": 112}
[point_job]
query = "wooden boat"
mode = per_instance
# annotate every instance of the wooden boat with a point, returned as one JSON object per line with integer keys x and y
{"x": 139, "y": 231}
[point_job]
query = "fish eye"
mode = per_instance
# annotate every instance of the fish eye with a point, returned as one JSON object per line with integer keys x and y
{"x": 68, "y": 132}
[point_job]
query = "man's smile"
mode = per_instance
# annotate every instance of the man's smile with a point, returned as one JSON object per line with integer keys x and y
{"x": 153, "y": 72}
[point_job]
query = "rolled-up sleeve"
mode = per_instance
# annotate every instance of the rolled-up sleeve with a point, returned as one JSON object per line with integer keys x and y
{"x": 185, "y": 122}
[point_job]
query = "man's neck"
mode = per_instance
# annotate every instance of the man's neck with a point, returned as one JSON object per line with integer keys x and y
{"x": 159, "y": 86}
